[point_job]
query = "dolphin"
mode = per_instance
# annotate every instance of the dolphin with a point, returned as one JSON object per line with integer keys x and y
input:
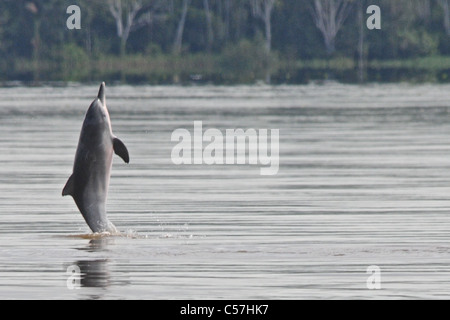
{"x": 89, "y": 182}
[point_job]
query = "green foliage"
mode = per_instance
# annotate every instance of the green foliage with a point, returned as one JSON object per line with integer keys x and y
{"x": 153, "y": 49}
{"x": 74, "y": 63}
{"x": 417, "y": 43}
{"x": 36, "y": 45}
{"x": 244, "y": 62}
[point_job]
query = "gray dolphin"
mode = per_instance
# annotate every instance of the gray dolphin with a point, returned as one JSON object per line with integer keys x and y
{"x": 88, "y": 185}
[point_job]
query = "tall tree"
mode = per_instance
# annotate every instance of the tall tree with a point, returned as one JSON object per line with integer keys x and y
{"x": 36, "y": 41}
{"x": 131, "y": 15}
{"x": 209, "y": 26}
{"x": 43, "y": 37}
{"x": 329, "y": 16}
{"x": 263, "y": 10}
{"x": 3, "y": 21}
{"x": 227, "y": 19}
{"x": 423, "y": 9}
{"x": 178, "y": 42}
{"x": 445, "y": 4}
{"x": 361, "y": 51}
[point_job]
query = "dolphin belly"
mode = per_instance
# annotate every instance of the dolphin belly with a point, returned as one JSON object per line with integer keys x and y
{"x": 94, "y": 213}
{"x": 92, "y": 201}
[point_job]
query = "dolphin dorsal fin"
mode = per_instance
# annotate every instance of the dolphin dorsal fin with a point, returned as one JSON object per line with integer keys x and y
{"x": 121, "y": 150}
{"x": 69, "y": 187}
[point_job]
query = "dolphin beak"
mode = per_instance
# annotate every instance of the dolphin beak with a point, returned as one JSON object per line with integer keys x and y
{"x": 101, "y": 93}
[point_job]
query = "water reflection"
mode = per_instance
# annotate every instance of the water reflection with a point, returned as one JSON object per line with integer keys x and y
{"x": 98, "y": 245}
{"x": 95, "y": 273}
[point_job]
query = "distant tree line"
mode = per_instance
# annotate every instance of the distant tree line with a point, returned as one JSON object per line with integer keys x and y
{"x": 226, "y": 39}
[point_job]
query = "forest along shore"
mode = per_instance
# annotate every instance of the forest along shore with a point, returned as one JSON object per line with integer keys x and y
{"x": 225, "y": 41}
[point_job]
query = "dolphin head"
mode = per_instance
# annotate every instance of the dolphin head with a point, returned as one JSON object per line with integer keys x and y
{"x": 101, "y": 94}
{"x": 98, "y": 112}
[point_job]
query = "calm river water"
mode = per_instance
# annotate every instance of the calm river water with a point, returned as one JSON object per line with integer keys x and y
{"x": 363, "y": 180}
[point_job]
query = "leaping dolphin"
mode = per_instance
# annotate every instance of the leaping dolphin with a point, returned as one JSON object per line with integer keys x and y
{"x": 89, "y": 182}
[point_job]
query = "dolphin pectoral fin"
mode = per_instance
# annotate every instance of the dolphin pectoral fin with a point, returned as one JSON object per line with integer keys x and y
{"x": 121, "y": 150}
{"x": 69, "y": 187}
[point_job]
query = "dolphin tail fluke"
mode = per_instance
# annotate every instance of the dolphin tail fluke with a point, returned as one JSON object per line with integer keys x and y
{"x": 69, "y": 187}
{"x": 121, "y": 150}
